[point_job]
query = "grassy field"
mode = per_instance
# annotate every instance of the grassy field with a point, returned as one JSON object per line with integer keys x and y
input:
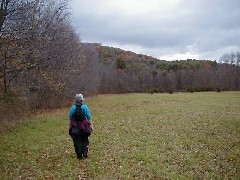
{"x": 137, "y": 136}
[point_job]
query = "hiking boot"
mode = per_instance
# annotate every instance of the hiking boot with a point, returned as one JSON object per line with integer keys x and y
{"x": 79, "y": 157}
{"x": 85, "y": 155}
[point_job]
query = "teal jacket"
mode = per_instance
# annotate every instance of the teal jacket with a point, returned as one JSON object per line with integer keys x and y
{"x": 85, "y": 110}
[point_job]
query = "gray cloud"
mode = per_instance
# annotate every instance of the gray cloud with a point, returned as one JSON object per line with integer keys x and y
{"x": 180, "y": 28}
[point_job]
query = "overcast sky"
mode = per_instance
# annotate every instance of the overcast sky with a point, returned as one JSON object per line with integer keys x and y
{"x": 165, "y": 29}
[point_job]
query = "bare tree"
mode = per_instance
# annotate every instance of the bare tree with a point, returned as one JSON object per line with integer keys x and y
{"x": 3, "y": 12}
{"x": 26, "y": 29}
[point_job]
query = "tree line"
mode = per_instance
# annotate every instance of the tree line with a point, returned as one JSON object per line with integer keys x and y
{"x": 43, "y": 63}
{"x": 130, "y": 72}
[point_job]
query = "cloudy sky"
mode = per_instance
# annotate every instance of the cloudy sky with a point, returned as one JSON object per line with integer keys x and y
{"x": 165, "y": 29}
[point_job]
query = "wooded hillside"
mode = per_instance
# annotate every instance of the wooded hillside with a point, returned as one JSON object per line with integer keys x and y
{"x": 124, "y": 71}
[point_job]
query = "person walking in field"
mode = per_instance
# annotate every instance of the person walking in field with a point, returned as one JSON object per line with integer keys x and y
{"x": 81, "y": 126}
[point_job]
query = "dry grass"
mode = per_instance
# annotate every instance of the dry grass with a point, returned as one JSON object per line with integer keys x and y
{"x": 12, "y": 110}
{"x": 137, "y": 136}
{"x": 167, "y": 136}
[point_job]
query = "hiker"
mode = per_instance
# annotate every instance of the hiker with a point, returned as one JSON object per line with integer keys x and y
{"x": 81, "y": 126}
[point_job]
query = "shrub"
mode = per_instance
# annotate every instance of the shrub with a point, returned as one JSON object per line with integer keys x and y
{"x": 218, "y": 89}
{"x": 170, "y": 91}
{"x": 199, "y": 89}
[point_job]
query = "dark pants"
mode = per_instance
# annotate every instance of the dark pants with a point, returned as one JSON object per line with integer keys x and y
{"x": 80, "y": 142}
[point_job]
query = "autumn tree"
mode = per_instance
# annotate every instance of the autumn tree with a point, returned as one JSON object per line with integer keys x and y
{"x": 27, "y": 29}
{"x": 41, "y": 54}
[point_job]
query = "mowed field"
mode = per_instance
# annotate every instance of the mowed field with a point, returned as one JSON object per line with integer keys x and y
{"x": 137, "y": 136}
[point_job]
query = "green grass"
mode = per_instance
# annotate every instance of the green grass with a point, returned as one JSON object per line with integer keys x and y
{"x": 137, "y": 136}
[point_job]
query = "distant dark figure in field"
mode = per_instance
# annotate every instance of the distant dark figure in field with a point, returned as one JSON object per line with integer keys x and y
{"x": 81, "y": 126}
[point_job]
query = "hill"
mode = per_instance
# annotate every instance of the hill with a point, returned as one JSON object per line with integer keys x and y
{"x": 124, "y": 71}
